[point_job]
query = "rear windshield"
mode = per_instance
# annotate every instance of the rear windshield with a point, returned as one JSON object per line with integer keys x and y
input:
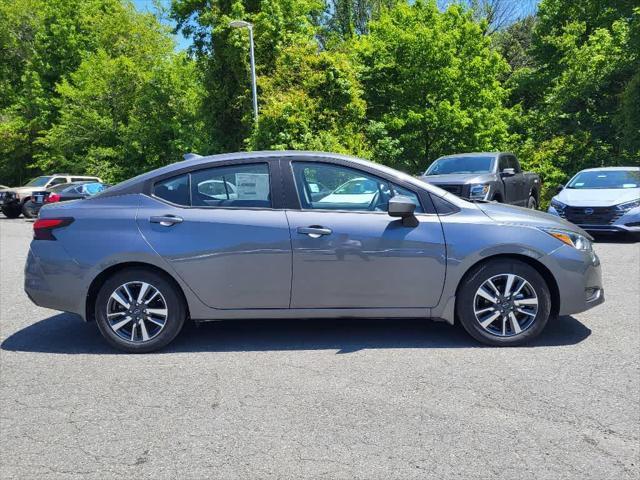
{"x": 606, "y": 179}
{"x": 466, "y": 164}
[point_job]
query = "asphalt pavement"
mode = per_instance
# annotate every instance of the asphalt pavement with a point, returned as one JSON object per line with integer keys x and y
{"x": 338, "y": 399}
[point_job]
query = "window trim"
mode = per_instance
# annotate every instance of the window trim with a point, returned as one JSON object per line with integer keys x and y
{"x": 188, "y": 173}
{"x": 358, "y": 168}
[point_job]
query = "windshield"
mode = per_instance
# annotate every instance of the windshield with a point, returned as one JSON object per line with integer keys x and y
{"x": 38, "y": 182}
{"x": 606, "y": 179}
{"x": 443, "y": 166}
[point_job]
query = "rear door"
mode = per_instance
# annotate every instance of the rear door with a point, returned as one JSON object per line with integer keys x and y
{"x": 231, "y": 246}
{"x": 349, "y": 253}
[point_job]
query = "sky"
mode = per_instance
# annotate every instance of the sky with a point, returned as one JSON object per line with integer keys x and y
{"x": 520, "y": 8}
{"x": 147, "y": 6}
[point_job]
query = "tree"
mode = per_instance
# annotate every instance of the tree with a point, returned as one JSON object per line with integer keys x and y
{"x": 48, "y": 51}
{"x": 431, "y": 83}
{"x": 313, "y": 101}
{"x": 222, "y": 54}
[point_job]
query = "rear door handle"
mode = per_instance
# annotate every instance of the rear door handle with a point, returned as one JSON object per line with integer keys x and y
{"x": 314, "y": 231}
{"x": 166, "y": 220}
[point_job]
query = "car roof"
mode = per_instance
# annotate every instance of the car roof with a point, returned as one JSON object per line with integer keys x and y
{"x": 194, "y": 161}
{"x": 473, "y": 154}
{"x": 602, "y": 169}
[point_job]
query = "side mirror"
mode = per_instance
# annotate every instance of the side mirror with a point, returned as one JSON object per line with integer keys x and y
{"x": 559, "y": 188}
{"x": 508, "y": 172}
{"x": 403, "y": 207}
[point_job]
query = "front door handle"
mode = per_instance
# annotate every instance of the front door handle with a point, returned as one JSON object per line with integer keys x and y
{"x": 166, "y": 220}
{"x": 314, "y": 231}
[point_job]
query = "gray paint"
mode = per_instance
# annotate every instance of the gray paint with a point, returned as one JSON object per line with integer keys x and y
{"x": 252, "y": 263}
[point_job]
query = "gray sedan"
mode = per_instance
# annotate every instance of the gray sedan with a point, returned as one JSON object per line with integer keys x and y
{"x": 144, "y": 256}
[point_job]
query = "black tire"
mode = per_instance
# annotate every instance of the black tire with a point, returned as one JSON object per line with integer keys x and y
{"x": 27, "y": 209}
{"x": 532, "y": 203}
{"x": 175, "y": 306}
{"x": 12, "y": 211}
{"x": 477, "y": 277}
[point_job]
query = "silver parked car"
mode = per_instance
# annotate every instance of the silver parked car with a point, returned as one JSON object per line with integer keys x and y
{"x": 145, "y": 255}
{"x": 601, "y": 200}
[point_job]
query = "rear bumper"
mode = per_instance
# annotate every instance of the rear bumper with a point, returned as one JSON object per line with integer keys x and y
{"x": 51, "y": 277}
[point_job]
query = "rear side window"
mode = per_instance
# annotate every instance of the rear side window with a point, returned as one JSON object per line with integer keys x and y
{"x": 232, "y": 186}
{"x": 58, "y": 181}
{"x": 174, "y": 190}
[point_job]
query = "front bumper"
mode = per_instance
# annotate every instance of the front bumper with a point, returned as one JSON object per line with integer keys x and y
{"x": 578, "y": 275}
{"x": 627, "y": 222}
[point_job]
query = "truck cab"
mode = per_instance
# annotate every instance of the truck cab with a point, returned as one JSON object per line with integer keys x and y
{"x": 493, "y": 176}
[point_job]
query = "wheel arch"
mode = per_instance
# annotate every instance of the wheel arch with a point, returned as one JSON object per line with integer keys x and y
{"x": 546, "y": 274}
{"x": 98, "y": 281}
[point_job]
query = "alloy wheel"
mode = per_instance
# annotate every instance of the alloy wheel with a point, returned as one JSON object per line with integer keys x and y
{"x": 137, "y": 311}
{"x": 505, "y": 305}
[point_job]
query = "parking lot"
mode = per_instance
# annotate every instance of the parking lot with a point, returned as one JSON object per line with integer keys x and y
{"x": 321, "y": 399}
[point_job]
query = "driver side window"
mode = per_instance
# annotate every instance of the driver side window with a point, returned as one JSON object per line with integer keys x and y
{"x": 324, "y": 186}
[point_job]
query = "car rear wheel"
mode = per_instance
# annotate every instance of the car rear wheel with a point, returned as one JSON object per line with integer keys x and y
{"x": 12, "y": 211}
{"x": 139, "y": 311}
{"x": 504, "y": 303}
{"x": 532, "y": 203}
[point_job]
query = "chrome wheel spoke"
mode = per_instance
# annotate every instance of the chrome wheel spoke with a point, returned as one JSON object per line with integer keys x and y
{"x": 515, "y": 325}
{"x": 121, "y": 323}
{"x": 526, "y": 301}
{"x": 116, "y": 296}
{"x": 143, "y": 329}
{"x": 153, "y": 320}
{"x": 157, "y": 311}
{"x": 137, "y": 311}
{"x": 144, "y": 287}
{"x": 486, "y": 295}
{"x": 490, "y": 319}
{"x": 505, "y": 305}
{"x": 509, "y": 284}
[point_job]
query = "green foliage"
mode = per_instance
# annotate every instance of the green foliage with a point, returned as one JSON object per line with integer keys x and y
{"x": 89, "y": 83}
{"x": 93, "y": 86}
{"x": 312, "y": 101}
{"x": 431, "y": 81}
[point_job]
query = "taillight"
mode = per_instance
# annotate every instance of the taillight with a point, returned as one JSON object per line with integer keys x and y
{"x": 43, "y": 227}
{"x": 52, "y": 198}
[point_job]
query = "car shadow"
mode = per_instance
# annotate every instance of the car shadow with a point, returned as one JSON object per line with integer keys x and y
{"x": 66, "y": 334}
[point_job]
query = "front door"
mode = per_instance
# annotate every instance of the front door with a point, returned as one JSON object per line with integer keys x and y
{"x": 217, "y": 230}
{"x": 348, "y": 253}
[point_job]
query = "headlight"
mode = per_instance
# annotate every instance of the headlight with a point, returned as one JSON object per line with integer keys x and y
{"x": 478, "y": 191}
{"x": 558, "y": 205}
{"x": 625, "y": 207}
{"x": 570, "y": 238}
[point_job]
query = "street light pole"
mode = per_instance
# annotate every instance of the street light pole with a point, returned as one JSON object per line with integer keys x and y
{"x": 254, "y": 88}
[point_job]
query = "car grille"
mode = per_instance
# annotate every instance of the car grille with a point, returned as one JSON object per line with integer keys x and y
{"x": 591, "y": 215}
{"x": 455, "y": 189}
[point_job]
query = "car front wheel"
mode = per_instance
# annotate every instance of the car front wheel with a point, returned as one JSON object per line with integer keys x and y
{"x": 12, "y": 211}
{"x": 139, "y": 310}
{"x": 532, "y": 204}
{"x": 504, "y": 303}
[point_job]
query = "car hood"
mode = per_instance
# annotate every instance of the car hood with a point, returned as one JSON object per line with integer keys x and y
{"x": 22, "y": 190}
{"x": 510, "y": 214}
{"x": 597, "y": 197}
{"x": 458, "y": 178}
